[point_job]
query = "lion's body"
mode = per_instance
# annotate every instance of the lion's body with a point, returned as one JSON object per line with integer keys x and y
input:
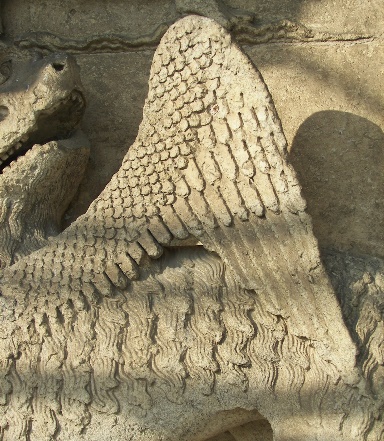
{"x": 184, "y": 354}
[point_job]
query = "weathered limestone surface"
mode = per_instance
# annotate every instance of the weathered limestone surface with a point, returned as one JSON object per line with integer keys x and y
{"x": 331, "y": 105}
{"x": 323, "y": 65}
{"x": 315, "y": 56}
{"x": 42, "y": 158}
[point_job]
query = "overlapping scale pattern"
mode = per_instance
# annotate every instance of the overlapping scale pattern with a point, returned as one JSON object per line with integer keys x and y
{"x": 209, "y": 164}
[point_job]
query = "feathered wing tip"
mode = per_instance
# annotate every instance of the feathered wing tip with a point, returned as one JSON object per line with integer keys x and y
{"x": 209, "y": 163}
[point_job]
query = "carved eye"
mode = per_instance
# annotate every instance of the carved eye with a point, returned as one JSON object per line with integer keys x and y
{"x": 5, "y": 71}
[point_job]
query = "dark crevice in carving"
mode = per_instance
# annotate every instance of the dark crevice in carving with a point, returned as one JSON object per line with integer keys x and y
{"x": 282, "y": 32}
{"x": 46, "y": 41}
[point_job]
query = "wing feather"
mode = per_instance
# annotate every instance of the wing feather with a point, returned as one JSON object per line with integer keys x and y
{"x": 210, "y": 162}
{"x": 173, "y": 221}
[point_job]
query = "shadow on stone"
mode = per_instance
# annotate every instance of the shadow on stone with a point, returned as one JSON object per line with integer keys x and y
{"x": 339, "y": 159}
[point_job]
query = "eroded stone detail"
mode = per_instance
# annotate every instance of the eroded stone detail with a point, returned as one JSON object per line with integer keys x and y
{"x": 41, "y": 103}
{"x": 117, "y": 330}
{"x": 247, "y": 28}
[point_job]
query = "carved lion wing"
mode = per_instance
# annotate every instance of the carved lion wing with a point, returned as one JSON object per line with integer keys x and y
{"x": 209, "y": 163}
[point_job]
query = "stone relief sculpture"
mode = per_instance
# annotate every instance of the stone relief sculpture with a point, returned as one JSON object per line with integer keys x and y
{"x": 41, "y": 103}
{"x": 247, "y": 27}
{"x": 191, "y": 297}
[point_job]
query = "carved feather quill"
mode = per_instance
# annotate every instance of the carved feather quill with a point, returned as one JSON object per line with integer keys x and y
{"x": 209, "y": 164}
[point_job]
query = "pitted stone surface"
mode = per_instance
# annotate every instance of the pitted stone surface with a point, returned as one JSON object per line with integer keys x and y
{"x": 117, "y": 329}
{"x": 42, "y": 103}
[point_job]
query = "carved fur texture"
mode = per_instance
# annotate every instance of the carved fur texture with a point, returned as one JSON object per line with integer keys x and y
{"x": 114, "y": 331}
{"x": 186, "y": 341}
{"x": 41, "y": 103}
{"x": 209, "y": 163}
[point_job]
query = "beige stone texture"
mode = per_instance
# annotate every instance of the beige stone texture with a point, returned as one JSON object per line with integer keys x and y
{"x": 73, "y": 19}
{"x": 42, "y": 154}
{"x": 324, "y": 16}
{"x": 330, "y": 101}
{"x": 338, "y": 68}
{"x": 334, "y": 64}
{"x": 279, "y": 352}
{"x": 112, "y": 117}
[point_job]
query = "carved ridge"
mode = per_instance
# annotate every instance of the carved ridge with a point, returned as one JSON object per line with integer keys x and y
{"x": 284, "y": 31}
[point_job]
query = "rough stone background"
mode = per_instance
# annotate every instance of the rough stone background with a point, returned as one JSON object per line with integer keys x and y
{"x": 321, "y": 59}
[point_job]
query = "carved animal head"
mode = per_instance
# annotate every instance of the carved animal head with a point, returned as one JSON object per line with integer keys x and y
{"x": 41, "y": 104}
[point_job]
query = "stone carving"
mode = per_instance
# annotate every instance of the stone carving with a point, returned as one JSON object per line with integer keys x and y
{"x": 245, "y": 25}
{"x": 191, "y": 297}
{"x": 41, "y": 102}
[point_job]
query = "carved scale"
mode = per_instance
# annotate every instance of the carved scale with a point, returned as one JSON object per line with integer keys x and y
{"x": 116, "y": 331}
